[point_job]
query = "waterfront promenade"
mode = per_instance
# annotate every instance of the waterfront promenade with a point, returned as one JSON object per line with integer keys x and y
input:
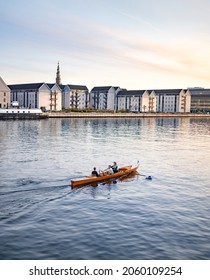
{"x": 124, "y": 115}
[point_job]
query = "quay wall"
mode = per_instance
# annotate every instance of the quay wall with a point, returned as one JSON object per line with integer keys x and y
{"x": 124, "y": 115}
{"x": 23, "y": 116}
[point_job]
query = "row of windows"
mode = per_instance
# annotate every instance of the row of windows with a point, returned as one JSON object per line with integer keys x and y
{"x": 18, "y": 112}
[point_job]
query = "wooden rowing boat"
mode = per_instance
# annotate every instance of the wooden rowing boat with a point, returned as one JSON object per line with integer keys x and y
{"x": 91, "y": 180}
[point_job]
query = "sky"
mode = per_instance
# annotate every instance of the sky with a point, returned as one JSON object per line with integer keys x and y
{"x": 134, "y": 44}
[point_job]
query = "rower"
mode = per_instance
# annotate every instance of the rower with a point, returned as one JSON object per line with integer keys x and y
{"x": 94, "y": 172}
{"x": 110, "y": 170}
{"x": 115, "y": 167}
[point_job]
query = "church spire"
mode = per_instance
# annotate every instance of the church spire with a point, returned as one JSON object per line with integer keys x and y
{"x": 58, "y": 75}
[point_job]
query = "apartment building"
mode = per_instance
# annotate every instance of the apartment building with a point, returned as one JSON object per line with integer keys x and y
{"x": 4, "y": 94}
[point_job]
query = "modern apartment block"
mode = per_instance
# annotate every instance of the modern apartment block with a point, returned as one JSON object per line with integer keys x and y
{"x": 37, "y": 95}
{"x": 75, "y": 96}
{"x": 104, "y": 98}
{"x": 172, "y": 100}
{"x": 133, "y": 100}
{"x": 200, "y": 99}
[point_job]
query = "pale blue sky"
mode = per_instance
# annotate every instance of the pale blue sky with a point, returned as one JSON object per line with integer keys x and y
{"x": 136, "y": 44}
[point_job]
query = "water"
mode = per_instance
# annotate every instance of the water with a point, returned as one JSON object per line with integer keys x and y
{"x": 41, "y": 217}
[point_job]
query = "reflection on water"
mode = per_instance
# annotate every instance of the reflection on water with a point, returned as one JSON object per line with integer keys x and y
{"x": 41, "y": 217}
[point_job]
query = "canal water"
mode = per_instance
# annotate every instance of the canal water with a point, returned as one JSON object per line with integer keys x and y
{"x": 167, "y": 217}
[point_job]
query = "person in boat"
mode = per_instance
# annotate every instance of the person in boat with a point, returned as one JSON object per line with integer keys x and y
{"x": 115, "y": 167}
{"x": 110, "y": 170}
{"x": 94, "y": 172}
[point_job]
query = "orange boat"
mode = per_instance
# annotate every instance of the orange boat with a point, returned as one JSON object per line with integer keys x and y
{"x": 91, "y": 180}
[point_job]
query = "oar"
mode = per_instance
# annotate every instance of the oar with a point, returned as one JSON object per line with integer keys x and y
{"x": 147, "y": 177}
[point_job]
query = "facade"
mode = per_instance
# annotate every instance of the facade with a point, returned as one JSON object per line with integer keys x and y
{"x": 200, "y": 99}
{"x": 55, "y": 97}
{"x": 75, "y": 96}
{"x": 172, "y": 100}
{"x": 4, "y": 94}
{"x": 36, "y": 95}
{"x": 104, "y": 98}
{"x": 152, "y": 102}
{"x": 133, "y": 100}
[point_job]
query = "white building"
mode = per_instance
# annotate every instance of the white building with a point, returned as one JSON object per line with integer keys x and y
{"x": 152, "y": 102}
{"x": 37, "y": 95}
{"x": 172, "y": 100}
{"x": 55, "y": 97}
{"x": 4, "y": 94}
{"x": 104, "y": 98}
{"x": 75, "y": 96}
{"x": 133, "y": 100}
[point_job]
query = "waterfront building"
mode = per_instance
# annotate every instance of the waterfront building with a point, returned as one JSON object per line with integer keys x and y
{"x": 55, "y": 97}
{"x": 152, "y": 101}
{"x": 172, "y": 100}
{"x": 75, "y": 96}
{"x": 37, "y": 95}
{"x": 133, "y": 100}
{"x": 104, "y": 98}
{"x": 4, "y": 94}
{"x": 200, "y": 99}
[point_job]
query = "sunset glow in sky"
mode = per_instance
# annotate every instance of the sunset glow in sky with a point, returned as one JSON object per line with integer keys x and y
{"x": 134, "y": 44}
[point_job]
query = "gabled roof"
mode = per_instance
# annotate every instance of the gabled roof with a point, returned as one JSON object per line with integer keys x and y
{"x": 3, "y": 85}
{"x": 77, "y": 87}
{"x": 131, "y": 92}
{"x": 52, "y": 85}
{"x": 103, "y": 88}
{"x": 62, "y": 86}
{"x": 33, "y": 86}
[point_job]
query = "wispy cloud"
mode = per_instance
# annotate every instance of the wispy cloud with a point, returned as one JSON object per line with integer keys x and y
{"x": 81, "y": 41}
{"x": 146, "y": 23}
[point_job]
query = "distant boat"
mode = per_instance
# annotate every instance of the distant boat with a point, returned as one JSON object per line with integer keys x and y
{"x": 22, "y": 113}
{"x": 91, "y": 180}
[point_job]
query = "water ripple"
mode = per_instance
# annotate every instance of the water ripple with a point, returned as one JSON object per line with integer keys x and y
{"x": 41, "y": 217}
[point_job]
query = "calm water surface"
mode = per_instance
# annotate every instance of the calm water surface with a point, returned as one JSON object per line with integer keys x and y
{"x": 41, "y": 217}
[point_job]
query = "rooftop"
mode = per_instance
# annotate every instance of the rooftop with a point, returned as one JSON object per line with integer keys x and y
{"x": 33, "y": 86}
{"x": 77, "y": 87}
{"x": 102, "y": 88}
{"x": 167, "y": 91}
{"x": 199, "y": 91}
{"x": 131, "y": 92}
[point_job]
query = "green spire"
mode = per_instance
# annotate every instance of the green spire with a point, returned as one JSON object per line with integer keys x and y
{"x": 58, "y": 75}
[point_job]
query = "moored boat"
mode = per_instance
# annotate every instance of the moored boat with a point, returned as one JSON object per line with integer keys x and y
{"x": 22, "y": 113}
{"x": 91, "y": 180}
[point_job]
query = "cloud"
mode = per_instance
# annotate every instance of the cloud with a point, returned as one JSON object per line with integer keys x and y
{"x": 146, "y": 23}
{"x": 86, "y": 42}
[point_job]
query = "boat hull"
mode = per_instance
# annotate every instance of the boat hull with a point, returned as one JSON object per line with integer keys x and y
{"x": 124, "y": 171}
